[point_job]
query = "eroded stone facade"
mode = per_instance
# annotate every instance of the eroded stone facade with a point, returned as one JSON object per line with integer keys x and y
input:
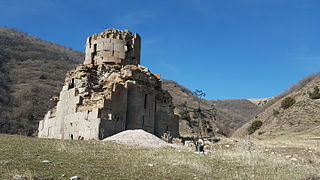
{"x": 103, "y": 98}
{"x": 113, "y": 46}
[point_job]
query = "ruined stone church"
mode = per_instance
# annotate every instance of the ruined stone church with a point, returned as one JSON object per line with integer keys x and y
{"x": 109, "y": 93}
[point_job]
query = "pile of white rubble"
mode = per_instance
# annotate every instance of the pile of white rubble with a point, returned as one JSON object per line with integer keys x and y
{"x": 139, "y": 137}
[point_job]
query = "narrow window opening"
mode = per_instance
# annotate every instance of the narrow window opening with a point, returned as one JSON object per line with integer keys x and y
{"x": 95, "y": 48}
{"x": 142, "y": 122}
{"x": 70, "y": 124}
{"x": 90, "y": 45}
{"x": 92, "y": 58}
{"x": 71, "y": 84}
{"x": 110, "y": 116}
{"x": 145, "y": 101}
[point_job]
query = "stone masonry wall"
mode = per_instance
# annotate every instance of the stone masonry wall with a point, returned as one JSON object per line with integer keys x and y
{"x": 99, "y": 101}
{"x": 113, "y": 46}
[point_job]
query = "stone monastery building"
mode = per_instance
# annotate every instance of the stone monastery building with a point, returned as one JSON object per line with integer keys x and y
{"x": 110, "y": 93}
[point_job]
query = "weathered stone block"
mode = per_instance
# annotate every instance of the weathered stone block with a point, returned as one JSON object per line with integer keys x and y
{"x": 118, "y": 43}
{"x": 93, "y": 114}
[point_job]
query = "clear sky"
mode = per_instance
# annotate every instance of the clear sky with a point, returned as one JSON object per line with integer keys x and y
{"x": 228, "y": 48}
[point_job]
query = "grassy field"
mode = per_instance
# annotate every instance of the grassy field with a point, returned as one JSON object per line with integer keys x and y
{"x": 229, "y": 159}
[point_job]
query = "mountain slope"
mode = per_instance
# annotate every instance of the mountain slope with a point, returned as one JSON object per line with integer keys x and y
{"x": 31, "y": 72}
{"x": 231, "y": 114}
{"x": 301, "y": 118}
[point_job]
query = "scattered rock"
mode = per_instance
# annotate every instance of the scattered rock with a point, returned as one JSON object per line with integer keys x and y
{"x": 19, "y": 177}
{"x": 45, "y": 161}
{"x": 75, "y": 178}
{"x": 151, "y": 165}
{"x": 4, "y": 163}
{"x": 313, "y": 177}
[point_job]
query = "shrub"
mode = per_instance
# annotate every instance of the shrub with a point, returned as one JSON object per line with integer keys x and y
{"x": 315, "y": 94}
{"x": 255, "y": 125}
{"x": 287, "y": 102}
{"x": 166, "y": 136}
{"x": 184, "y": 114}
{"x": 296, "y": 87}
{"x": 275, "y": 112}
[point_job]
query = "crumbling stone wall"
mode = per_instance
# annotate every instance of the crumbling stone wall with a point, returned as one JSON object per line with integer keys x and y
{"x": 113, "y": 46}
{"x": 102, "y": 99}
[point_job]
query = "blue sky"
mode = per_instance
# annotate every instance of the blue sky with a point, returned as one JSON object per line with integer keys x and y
{"x": 228, "y": 48}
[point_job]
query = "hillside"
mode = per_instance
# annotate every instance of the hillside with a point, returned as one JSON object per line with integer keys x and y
{"x": 230, "y": 115}
{"x": 302, "y": 118}
{"x": 233, "y": 113}
{"x": 260, "y": 101}
{"x": 31, "y": 72}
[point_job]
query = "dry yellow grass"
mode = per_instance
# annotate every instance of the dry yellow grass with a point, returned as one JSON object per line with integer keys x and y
{"x": 229, "y": 159}
{"x": 299, "y": 119}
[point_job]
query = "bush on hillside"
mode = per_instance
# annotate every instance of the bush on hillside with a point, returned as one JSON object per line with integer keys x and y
{"x": 184, "y": 114}
{"x": 315, "y": 94}
{"x": 255, "y": 125}
{"x": 296, "y": 87}
{"x": 275, "y": 112}
{"x": 287, "y": 102}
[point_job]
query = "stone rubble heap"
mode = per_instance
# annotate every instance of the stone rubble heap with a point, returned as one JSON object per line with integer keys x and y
{"x": 139, "y": 137}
